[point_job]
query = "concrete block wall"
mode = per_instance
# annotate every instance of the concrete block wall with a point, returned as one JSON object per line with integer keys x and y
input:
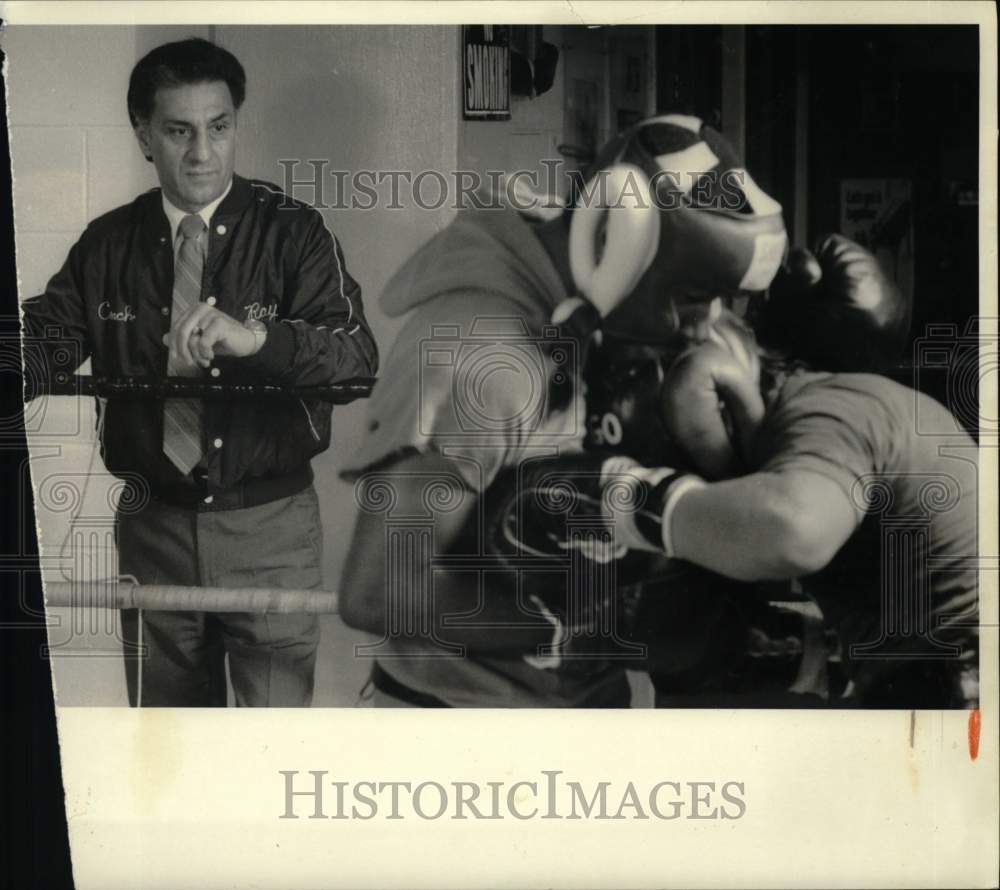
{"x": 74, "y": 157}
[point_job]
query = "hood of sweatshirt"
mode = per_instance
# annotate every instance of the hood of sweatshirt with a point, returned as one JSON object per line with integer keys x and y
{"x": 492, "y": 250}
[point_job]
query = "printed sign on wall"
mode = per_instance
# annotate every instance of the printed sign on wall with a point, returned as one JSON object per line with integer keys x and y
{"x": 486, "y": 72}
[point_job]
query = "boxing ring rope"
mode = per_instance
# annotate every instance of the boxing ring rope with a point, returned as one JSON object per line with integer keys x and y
{"x": 114, "y": 594}
{"x": 123, "y": 594}
{"x": 158, "y": 388}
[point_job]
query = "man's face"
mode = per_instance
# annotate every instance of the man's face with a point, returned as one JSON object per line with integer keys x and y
{"x": 191, "y": 139}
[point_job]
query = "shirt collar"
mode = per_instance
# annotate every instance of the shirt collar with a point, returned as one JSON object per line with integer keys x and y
{"x": 175, "y": 214}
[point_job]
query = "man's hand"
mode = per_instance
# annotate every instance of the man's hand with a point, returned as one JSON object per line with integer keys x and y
{"x": 203, "y": 332}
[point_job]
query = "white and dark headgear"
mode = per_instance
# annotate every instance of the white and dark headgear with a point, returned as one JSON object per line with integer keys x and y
{"x": 669, "y": 200}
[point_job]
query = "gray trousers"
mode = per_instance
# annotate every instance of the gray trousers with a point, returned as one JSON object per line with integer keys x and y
{"x": 272, "y": 658}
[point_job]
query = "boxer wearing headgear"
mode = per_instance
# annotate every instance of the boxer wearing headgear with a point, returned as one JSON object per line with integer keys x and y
{"x": 485, "y": 377}
{"x": 460, "y": 409}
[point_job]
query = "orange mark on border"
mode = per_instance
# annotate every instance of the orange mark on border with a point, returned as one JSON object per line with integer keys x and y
{"x": 974, "y": 726}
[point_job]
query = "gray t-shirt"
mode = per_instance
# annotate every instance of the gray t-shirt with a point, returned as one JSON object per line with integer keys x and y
{"x": 904, "y": 585}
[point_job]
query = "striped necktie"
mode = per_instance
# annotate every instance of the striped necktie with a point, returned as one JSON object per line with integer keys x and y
{"x": 183, "y": 418}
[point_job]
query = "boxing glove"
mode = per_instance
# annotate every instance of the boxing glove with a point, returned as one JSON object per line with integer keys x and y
{"x": 633, "y": 409}
{"x": 713, "y": 406}
{"x": 835, "y": 310}
{"x": 603, "y": 507}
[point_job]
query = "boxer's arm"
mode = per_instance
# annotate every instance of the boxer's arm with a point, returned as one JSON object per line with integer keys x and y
{"x": 371, "y": 599}
{"x": 766, "y": 526}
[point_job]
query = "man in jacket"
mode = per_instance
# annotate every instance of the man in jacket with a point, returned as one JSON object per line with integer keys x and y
{"x": 211, "y": 274}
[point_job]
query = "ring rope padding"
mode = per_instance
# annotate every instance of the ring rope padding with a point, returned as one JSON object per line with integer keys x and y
{"x": 111, "y": 594}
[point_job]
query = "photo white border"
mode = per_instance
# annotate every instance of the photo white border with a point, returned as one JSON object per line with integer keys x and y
{"x": 178, "y": 798}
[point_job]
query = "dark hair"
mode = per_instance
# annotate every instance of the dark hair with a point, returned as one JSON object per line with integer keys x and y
{"x": 186, "y": 61}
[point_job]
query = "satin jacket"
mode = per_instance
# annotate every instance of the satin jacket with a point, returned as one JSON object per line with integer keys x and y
{"x": 269, "y": 259}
